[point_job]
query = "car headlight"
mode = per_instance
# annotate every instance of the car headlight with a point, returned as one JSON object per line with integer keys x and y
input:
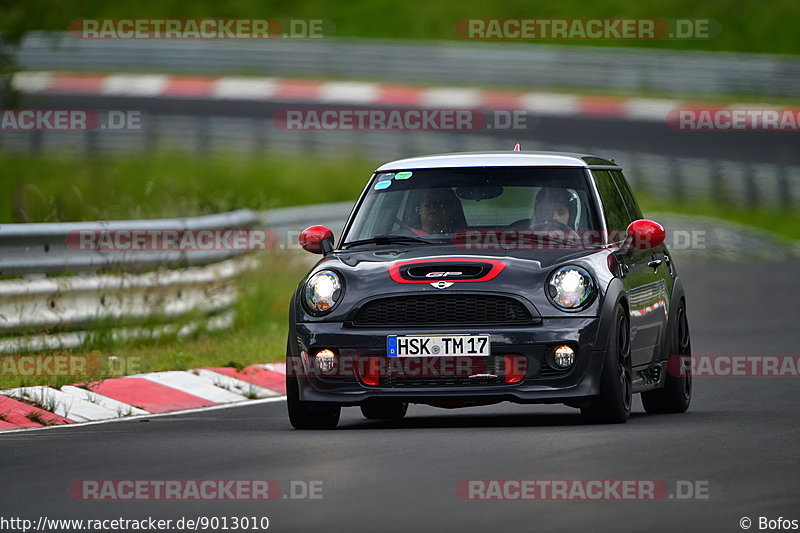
{"x": 323, "y": 290}
{"x": 570, "y": 287}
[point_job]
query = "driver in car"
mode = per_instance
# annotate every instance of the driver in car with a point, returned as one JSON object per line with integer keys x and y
{"x": 555, "y": 209}
{"x": 555, "y": 212}
{"x": 440, "y": 212}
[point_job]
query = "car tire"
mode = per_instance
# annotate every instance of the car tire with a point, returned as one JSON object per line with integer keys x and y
{"x": 308, "y": 415}
{"x": 613, "y": 404}
{"x": 676, "y": 394}
{"x": 384, "y": 409}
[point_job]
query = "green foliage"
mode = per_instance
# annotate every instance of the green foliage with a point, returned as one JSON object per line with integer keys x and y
{"x": 747, "y": 25}
{"x": 60, "y": 189}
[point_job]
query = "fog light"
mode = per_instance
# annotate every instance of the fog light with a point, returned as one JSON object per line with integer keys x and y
{"x": 326, "y": 360}
{"x": 564, "y": 356}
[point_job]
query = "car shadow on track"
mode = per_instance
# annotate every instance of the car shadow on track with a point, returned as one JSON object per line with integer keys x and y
{"x": 468, "y": 421}
{"x": 512, "y": 420}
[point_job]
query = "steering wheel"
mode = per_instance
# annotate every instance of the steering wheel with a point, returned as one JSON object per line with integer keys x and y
{"x": 571, "y": 234}
{"x": 524, "y": 223}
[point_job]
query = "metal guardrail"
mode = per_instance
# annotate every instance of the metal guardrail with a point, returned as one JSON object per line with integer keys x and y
{"x": 47, "y": 248}
{"x": 179, "y": 293}
{"x": 131, "y": 294}
{"x": 470, "y": 63}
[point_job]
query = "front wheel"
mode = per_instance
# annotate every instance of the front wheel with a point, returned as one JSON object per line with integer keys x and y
{"x": 613, "y": 405}
{"x": 309, "y": 415}
{"x": 676, "y": 394}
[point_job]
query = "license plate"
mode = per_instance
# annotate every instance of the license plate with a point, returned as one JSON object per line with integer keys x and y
{"x": 437, "y": 346}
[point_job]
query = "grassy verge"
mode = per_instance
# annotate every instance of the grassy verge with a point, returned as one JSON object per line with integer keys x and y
{"x": 57, "y": 189}
{"x": 746, "y": 25}
{"x": 781, "y": 221}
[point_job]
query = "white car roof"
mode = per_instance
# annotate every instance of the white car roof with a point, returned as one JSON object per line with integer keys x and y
{"x": 498, "y": 159}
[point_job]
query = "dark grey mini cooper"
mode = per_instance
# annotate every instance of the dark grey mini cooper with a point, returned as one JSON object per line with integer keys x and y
{"x": 476, "y": 278}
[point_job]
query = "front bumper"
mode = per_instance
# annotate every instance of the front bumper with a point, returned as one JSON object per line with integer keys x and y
{"x": 540, "y": 383}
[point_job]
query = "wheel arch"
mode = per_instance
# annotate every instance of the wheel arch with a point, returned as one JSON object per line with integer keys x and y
{"x": 678, "y": 295}
{"x": 615, "y": 294}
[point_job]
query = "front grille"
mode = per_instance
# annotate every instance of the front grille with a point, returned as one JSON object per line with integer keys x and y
{"x": 435, "y": 309}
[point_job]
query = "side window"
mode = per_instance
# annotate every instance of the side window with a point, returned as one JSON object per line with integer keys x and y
{"x": 614, "y": 208}
{"x": 627, "y": 194}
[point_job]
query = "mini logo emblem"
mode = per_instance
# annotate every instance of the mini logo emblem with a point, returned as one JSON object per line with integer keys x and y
{"x": 442, "y": 274}
{"x": 442, "y": 284}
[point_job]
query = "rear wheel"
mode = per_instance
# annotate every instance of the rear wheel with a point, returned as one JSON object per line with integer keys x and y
{"x": 308, "y": 415}
{"x": 613, "y": 405}
{"x": 384, "y": 409}
{"x": 676, "y": 394}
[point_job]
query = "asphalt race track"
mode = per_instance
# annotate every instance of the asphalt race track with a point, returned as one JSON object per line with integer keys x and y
{"x": 739, "y": 439}
{"x": 602, "y": 132}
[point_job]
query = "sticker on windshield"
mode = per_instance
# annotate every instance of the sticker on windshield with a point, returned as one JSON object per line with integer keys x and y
{"x": 403, "y": 175}
{"x": 383, "y": 185}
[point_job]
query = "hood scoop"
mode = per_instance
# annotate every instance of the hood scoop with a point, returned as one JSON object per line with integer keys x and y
{"x": 446, "y": 269}
{"x": 435, "y": 272}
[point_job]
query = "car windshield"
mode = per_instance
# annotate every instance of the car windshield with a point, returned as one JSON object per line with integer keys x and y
{"x": 433, "y": 205}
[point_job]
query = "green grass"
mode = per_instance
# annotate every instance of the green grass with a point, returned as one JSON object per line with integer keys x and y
{"x": 747, "y": 25}
{"x": 55, "y": 189}
{"x": 781, "y": 221}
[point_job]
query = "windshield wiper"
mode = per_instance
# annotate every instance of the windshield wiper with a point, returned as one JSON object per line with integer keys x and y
{"x": 390, "y": 239}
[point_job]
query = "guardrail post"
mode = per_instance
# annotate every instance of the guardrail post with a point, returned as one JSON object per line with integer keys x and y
{"x": 151, "y": 134}
{"x": 678, "y": 192}
{"x": 784, "y": 191}
{"x": 259, "y": 138}
{"x": 89, "y": 143}
{"x": 750, "y": 186}
{"x": 719, "y": 193}
{"x": 36, "y": 140}
{"x": 202, "y": 131}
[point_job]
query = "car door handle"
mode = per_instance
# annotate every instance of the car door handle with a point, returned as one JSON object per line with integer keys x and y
{"x": 655, "y": 263}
